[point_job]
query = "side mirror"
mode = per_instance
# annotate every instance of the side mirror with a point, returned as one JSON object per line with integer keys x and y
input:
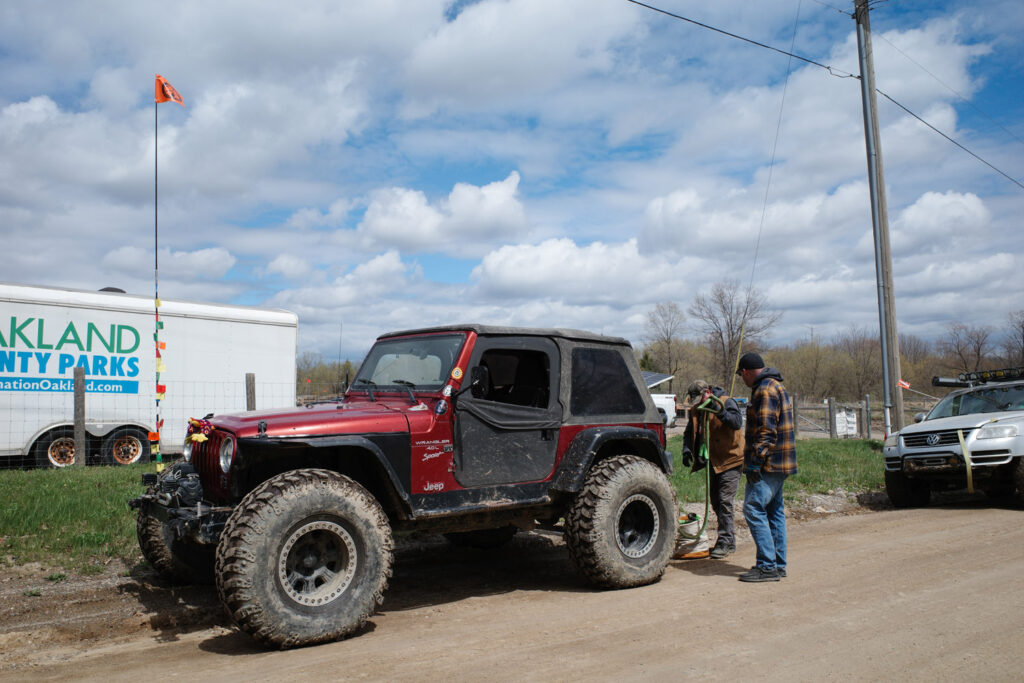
{"x": 919, "y": 417}
{"x": 479, "y": 378}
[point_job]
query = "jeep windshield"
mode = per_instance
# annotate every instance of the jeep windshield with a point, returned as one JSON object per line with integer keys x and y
{"x": 420, "y": 363}
{"x": 986, "y": 399}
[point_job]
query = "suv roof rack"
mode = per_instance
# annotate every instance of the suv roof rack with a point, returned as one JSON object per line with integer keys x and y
{"x": 984, "y": 376}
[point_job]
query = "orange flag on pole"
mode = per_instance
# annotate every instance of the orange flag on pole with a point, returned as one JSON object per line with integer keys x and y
{"x": 165, "y": 92}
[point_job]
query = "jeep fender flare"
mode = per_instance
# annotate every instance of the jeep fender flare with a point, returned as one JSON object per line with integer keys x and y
{"x": 374, "y": 450}
{"x": 580, "y": 454}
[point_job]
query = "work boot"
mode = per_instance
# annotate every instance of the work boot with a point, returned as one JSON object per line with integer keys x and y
{"x": 721, "y": 550}
{"x": 759, "y": 574}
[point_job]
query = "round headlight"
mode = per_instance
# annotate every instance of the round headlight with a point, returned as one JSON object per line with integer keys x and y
{"x": 186, "y": 451}
{"x": 227, "y": 452}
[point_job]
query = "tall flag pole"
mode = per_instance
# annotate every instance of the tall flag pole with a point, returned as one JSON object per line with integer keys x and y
{"x": 163, "y": 92}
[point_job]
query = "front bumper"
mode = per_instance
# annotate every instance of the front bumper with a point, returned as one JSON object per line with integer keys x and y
{"x": 175, "y": 498}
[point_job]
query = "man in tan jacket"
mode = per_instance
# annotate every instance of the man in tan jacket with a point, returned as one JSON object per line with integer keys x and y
{"x": 718, "y": 424}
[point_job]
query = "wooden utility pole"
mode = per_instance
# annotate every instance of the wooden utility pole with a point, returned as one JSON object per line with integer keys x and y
{"x": 893, "y": 395}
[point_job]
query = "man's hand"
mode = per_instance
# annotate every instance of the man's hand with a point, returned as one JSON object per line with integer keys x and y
{"x": 753, "y": 473}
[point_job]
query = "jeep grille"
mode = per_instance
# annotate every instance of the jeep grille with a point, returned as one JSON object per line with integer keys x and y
{"x": 206, "y": 460}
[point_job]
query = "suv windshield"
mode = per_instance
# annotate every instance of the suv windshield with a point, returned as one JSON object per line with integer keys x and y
{"x": 986, "y": 399}
{"x": 423, "y": 363}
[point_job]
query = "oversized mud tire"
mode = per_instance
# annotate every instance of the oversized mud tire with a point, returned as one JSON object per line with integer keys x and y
{"x": 304, "y": 558}
{"x": 125, "y": 446}
{"x": 904, "y": 492}
{"x": 484, "y": 539}
{"x": 177, "y": 560}
{"x": 621, "y": 528}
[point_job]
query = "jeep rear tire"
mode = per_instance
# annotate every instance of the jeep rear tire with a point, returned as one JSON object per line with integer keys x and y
{"x": 904, "y": 492}
{"x": 177, "y": 560}
{"x": 621, "y": 528}
{"x": 304, "y": 558}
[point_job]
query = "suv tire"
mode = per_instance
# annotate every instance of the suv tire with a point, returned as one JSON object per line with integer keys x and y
{"x": 329, "y": 549}
{"x": 621, "y": 527}
{"x": 904, "y": 492}
{"x": 1018, "y": 478}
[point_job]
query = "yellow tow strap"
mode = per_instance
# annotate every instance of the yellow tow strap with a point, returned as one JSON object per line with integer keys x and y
{"x": 967, "y": 461}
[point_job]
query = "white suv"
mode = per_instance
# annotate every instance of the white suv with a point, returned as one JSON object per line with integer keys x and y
{"x": 974, "y": 437}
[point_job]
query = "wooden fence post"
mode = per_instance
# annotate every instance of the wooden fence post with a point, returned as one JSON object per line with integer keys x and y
{"x": 79, "y": 388}
{"x": 796, "y": 417}
{"x": 250, "y": 391}
{"x": 831, "y": 418}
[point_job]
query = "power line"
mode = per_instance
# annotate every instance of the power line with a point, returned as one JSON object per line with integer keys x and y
{"x": 839, "y": 73}
{"x": 1011, "y": 179}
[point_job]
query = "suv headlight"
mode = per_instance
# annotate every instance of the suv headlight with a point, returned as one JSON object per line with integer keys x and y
{"x": 997, "y": 431}
{"x": 186, "y": 450}
{"x": 892, "y": 440}
{"x": 227, "y": 452}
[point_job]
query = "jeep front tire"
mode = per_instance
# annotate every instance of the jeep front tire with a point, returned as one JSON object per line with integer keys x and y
{"x": 304, "y": 558}
{"x": 176, "y": 559}
{"x": 621, "y": 527}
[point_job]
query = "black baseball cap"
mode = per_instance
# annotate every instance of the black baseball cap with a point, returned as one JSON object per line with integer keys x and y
{"x": 749, "y": 361}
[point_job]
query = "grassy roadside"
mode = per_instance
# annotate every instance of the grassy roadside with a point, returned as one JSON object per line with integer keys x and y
{"x": 852, "y": 465}
{"x": 78, "y": 519}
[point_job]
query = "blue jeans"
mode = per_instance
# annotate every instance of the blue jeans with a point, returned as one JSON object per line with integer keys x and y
{"x": 766, "y": 518}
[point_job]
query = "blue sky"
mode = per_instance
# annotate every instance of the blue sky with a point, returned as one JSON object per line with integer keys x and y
{"x": 387, "y": 165}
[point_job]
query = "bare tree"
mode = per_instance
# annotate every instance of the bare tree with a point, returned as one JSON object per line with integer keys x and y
{"x": 863, "y": 366}
{"x": 1013, "y": 343}
{"x": 661, "y": 332}
{"x": 966, "y": 348}
{"x": 727, "y": 317}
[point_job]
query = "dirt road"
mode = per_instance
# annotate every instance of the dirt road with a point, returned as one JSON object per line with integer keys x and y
{"x": 933, "y": 594}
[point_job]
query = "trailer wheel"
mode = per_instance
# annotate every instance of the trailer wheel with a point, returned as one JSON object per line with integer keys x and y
{"x": 304, "y": 558}
{"x": 621, "y": 528}
{"x": 126, "y": 446}
{"x": 56, "y": 448}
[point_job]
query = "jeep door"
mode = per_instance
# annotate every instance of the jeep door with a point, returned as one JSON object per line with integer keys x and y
{"x": 507, "y": 431}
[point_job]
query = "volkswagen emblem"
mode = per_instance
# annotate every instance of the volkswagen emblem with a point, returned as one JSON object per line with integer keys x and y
{"x": 932, "y": 440}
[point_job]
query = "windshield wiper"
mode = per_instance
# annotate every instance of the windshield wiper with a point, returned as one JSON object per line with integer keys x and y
{"x": 370, "y": 384}
{"x": 409, "y": 386}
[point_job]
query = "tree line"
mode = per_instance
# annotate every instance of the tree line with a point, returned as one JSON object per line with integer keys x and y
{"x": 706, "y": 340}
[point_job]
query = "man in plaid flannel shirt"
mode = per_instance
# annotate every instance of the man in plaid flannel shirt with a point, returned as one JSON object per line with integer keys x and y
{"x": 769, "y": 457}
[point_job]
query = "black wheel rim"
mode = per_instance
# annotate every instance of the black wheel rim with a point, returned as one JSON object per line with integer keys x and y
{"x": 636, "y": 525}
{"x": 317, "y": 563}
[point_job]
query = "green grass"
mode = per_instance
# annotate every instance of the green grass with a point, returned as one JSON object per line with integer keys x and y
{"x": 853, "y": 465}
{"x": 78, "y": 519}
{"x": 75, "y": 519}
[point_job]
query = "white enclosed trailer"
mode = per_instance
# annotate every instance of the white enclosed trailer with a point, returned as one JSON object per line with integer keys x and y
{"x": 207, "y": 350}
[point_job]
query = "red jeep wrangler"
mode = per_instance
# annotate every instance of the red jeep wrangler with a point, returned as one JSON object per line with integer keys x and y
{"x": 472, "y": 431}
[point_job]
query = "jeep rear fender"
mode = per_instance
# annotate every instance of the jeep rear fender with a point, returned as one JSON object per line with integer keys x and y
{"x": 598, "y": 442}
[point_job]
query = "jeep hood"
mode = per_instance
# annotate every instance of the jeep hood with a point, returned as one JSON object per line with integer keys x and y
{"x": 323, "y": 419}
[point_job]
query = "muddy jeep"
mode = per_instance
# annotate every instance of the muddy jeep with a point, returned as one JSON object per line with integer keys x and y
{"x": 471, "y": 431}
